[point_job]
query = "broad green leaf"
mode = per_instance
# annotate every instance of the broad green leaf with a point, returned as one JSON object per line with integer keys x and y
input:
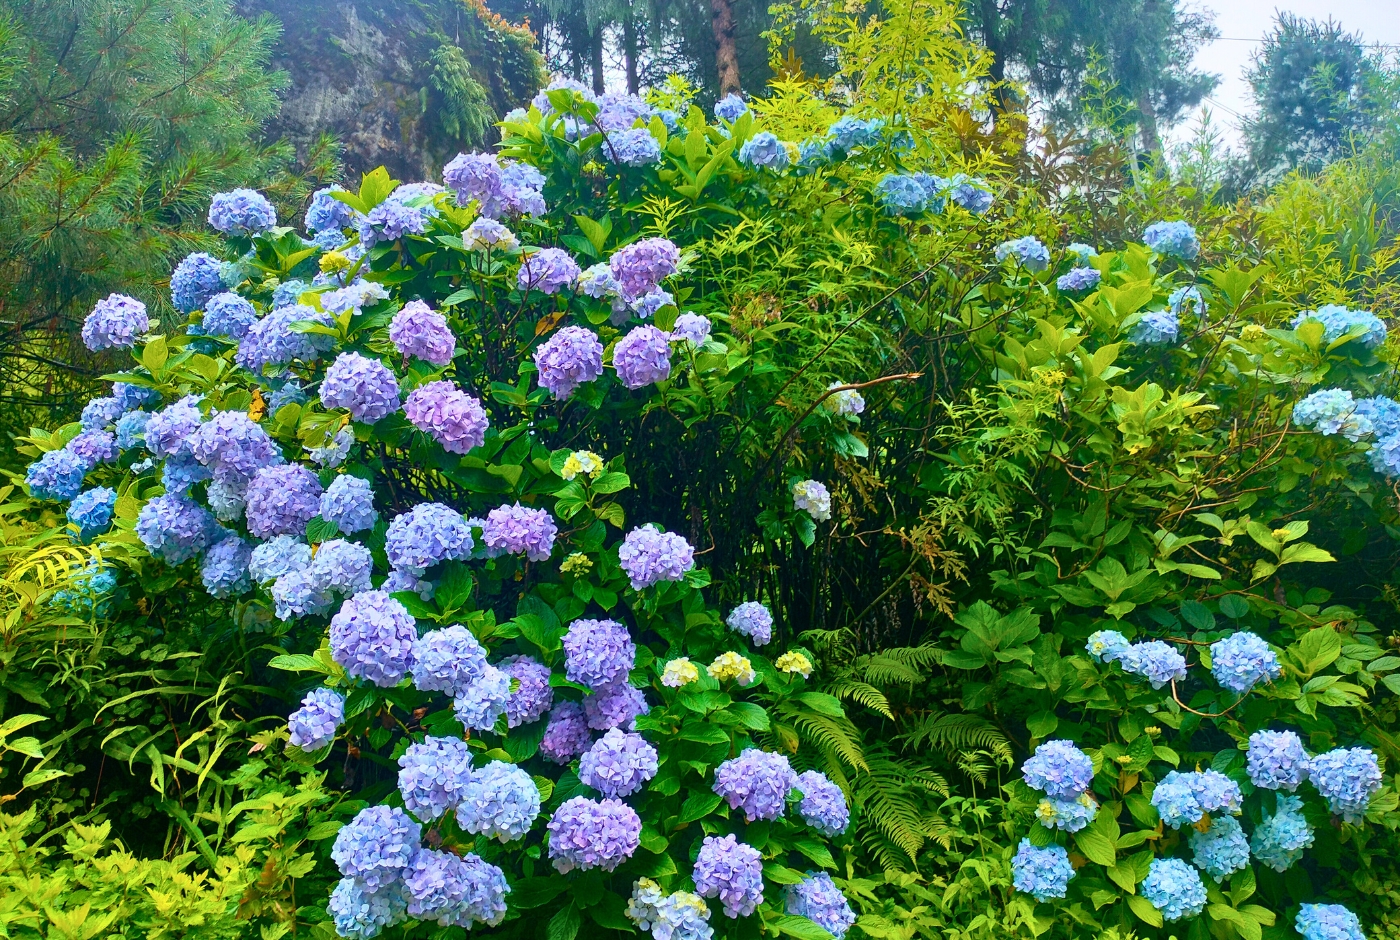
{"x": 1144, "y": 910}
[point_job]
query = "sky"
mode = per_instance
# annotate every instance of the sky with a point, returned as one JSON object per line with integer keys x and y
{"x": 1243, "y": 23}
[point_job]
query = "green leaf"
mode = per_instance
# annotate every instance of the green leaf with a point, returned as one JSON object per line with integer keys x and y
{"x": 1096, "y": 847}
{"x": 18, "y": 722}
{"x": 781, "y": 874}
{"x": 536, "y": 892}
{"x": 793, "y": 926}
{"x": 816, "y": 851}
{"x": 375, "y": 187}
{"x": 155, "y": 354}
{"x": 38, "y": 777}
{"x": 750, "y": 715}
{"x": 699, "y": 805}
{"x": 297, "y": 662}
{"x": 611, "y": 482}
{"x": 457, "y": 297}
{"x": 596, "y": 232}
{"x": 1144, "y": 910}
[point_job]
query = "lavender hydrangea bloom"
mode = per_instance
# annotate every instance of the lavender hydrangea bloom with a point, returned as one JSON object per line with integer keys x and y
{"x": 272, "y": 341}
{"x": 1078, "y": 279}
{"x": 173, "y": 528}
{"x": 100, "y": 413}
{"x": 228, "y": 314}
{"x": 1174, "y": 888}
{"x": 1155, "y": 661}
{"x": 484, "y": 234}
{"x": 227, "y": 500}
{"x": 483, "y": 701}
{"x": 1347, "y": 778}
{"x": 277, "y": 557}
{"x": 598, "y": 653}
{"x": 427, "y": 534}
{"x": 327, "y": 213}
{"x": 91, "y": 512}
{"x": 372, "y": 636}
{"x": 730, "y": 108}
{"x": 620, "y": 111}
{"x": 642, "y": 357}
{"x": 753, "y": 620}
{"x": 970, "y": 193}
{"x": 419, "y": 330}
{"x": 534, "y": 695}
{"x": 690, "y": 328}
{"x": 1106, "y": 646}
{"x": 313, "y": 726}
{"x": 1338, "y": 321}
{"x": 405, "y": 212}
{"x": 282, "y": 500}
{"x": 115, "y": 323}
{"x": 1327, "y": 922}
{"x": 349, "y": 503}
{"x": 1276, "y": 760}
{"x": 241, "y": 212}
{"x": 618, "y": 764}
{"x": 731, "y": 871}
{"x": 131, "y": 430}
{"x": 448, "y": 415}
{"x": 813, "y": 498}
{"x": 680, "y": 915}
{"x": 342, "y": 567}
{"x": 1155, "y": 328}
{"x": 650, "y": 556}
{"x": 233, "y": 447}
{"x": 476, "y": 176}
{"x": 1279, "y": 840}
{"x": 377, "y": 846}
{"x": 615, "y": 706}
{"x": 455, "y": 892}
{"x": 56, "y": 475}
{"x": 1058, "y": 769}
{"x": 169, "y": 430}
{"x": 1041, "y": 873}
{"x": 288, "y": 392}
{"x": 364, "y": 386}
{"x": 570, "y": 357}
{"x": 333, "y": 454}
{"x": 597, "y": 281}
{"x": 823, "y": 805}
{"x": 1182, "y": 798}
{"x": 641, "y": 266}
{"x": 1222, "y": 849}
{"x": 357, "y": 294}
{"x": 447, "y": 660}
{"x": 757, "y": 782}
{"x": 1069, "y": 815}
{"x": 1028, "y": 252}
{"x": 1241, "y": 660}
{"x": 646, "y": 306}
{"x": 632, "y": 147}
{"x": 1216, "y": 792}
{"x": 1332, "y": 411}
{"x": 1173, "y": 240}
{"x": 588, "y": 834}
{"x": 224, "y": 569}
{"x": 194, "y": 280}
{"x": 299, "y": 594}
{"x": 817, "y": 898}
{"x": 520, "y": 530}
{"x": 434, "y": 775}
{"x": 566, "y": 735}
{"x": 132, "y": 396}
{"x": 93, "y": 447}
{"x": 764, "y": 149}
{"x": 180, "y": 473}
{"x": 359, "y": 914}
{"x": 548, "y": 270}
{"x": 1081, "y": 251}
{"x": 501, "y": 802}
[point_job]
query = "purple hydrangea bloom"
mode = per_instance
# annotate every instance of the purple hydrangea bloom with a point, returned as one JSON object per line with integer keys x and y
{"x": 615, "y": 706}
{"x": 598, "y": 653}
{"x": 173, "y": 528}
{"x": 632, "y": 147}
{"x": 1079, "y": 279}
{"x": 532, "y": 699}
{"x": 588, "y": 834}
{"x": 1279, "y": 840}
{"x": 753, "y": 620}
{"x": 641, "y": 266}
{"x": 405, "y": 212}
{"x": 132, "y": 396}
{"x": 570, "y": 357}
{"x": 433, "y": 776}
{"x": 233, "y": 447}
{"x": 195, "y": 280}
{"x": 818, "y": 899}
{"x": 646, "y": 306}
{"x": 372, "y": 636}
{"x": 1028, "y": 252}
{"x": 364, "y": 386}
{"x": 455, "y": 892}
{"x": 1241, "y": 660}
{"x": 115, "y": 323}
{"x": 731, "y": 871}
{"x": 619, "y": 111}
{"x": 1327, "y": 922}
{"x": 690, "y": 328}
{"x": 448, "y": 415}
{"x": 278, "y": 556}
{"x": 597, "y": 281}
{"x": 501, "y": 802}
{"x": 349, "y": 503}
{"x": 1058, "y": 769}
{"x": 224, "y": 569}
{"x": 377, "y": 846}
{"x": 566, "y": 735}
{"x": 357, "y": 294}
{"x": 1155, "y": 661}
{"x": 1174, "y": 888}
{"x": 650, "y": 556}
{"x": 100, "y": 413}
{"x": 813, "y": 498}
{"x": 730, "y": 108}
{"x": 1276, "y": 760}
{"x": 91, "y": 512}
{"x": 359, "y": 914}
{"x": 427, "y": 534}
{"x": 618, "y": 764}
{"x": 299, "y": 594}
{"x": 757, "y": 782}
{"x": 520, "y": 530}
{"x": 447, "y": 660}
{"x": 560, "y": 83}
{"x": 520, "y": 189}
{"x": 282, "y": 500}
{"x": 548, "y": 270}
{"x": 341, "y": 567}
{"x": 642, "y": 357}
{"x": 476, "y": 176}
{"x": 313, "y": 726}
{"x": 93, "y": 447}
{"x": 1173, "y": 239}
{"x": 327, "y": 213}
{"x": 228, "y": 314}
{"x": 483, "y": 701}
{"x": 1041, "y": 873}
{"x": 823, "y": 805}
{"x": 272, "y": 341}
{"x": 406, "y": 581}
{"x": 1346, "y": 778}
{"x": 419, "y": 330}
{"x": 57, "y": 475}
{"x": 241, "y": 212}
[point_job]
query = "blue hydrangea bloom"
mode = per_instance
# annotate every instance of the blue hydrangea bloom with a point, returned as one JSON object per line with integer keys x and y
{"x": 1081, "y": 251}
{"x": 680, "y": 915}
{"x": 1327, "y": 922}
{"x": 1058, "y": 769}
{"x": 817, "y": 898}
{"x": 481, "y": 704}
{"x": 849, "y": 132}
{"x": 597, "y": 281}
{"x": 1241, "y": 660}
{"x": 902, "y": 194}
{"x": 299, "y": 594}
{"x": 101, "y": 413}
{"x": 1078, "y": 279}
{"x": 433, "y": 776}
{"x": 1155, "y": 661}
{"x": 615, "y": 706}
{"x": 233, "y": 447}
{"x": 618, "y": 764}
{"x": 278, "y": 556}
{"x": 363, "y": 386}
{"x": 168, "y": 431}
{"x": 1347, "y": 778}
{"x": 195, "y": 280}
{"x": 501, "y": 802}
{"x": 823, "y": 805}
{"x": 399, "y": 580}
{"x": 1332, "y": 411}
{"x": 224, "y": 569}
{"x": 1215, "y": 791}
{"x": 456, "y": 892}
{"x": 646, "y": 306}
{"x": 1027, "y": 251}
{"x": 56, "y": 475}
{"x": 241, "y": 212}
{"x": 598, "y": 653}
{"x": 173, "y": 528}
{"x": 313, "y": 725}
{"x": 377, "y": 846}
{"x": 1187, "y": 300}
{"x": 349, "y": 503}
{"x": 1106, "y": 646}
{"x": 447, "y": 660}
{"x": 1385, "y": 455}
{"x": 757, "y": 782}
{"x": 587, "y": 834}
{"x": 228, "y": 314}
{"x": 360, "y": 914}
{"x": 1382, "y": 412}
{"x": 274, "y": 340}
{"x": 632, "y": 147}
{"x": 619, "y": 111}
{"x": 691, "y": 328}
{"x": 753, "y": 620}
{"x": 1155, "y": 328}
{"x": 764, "y": 149}
{"x": 426, "y": 535}
{"x": 970, "y": 193}
{"x": 1279, "y": 840}
{"x": 1175, "y": 800}
{"x": 731, "y": 871}
{"x": 650, "y": 556}
{"x": 1276, "y": 760}
{"x": 180, "y": 473}
{"x": 1174, "y": 888}
{"x": 566, "y": 735}
{"x": 288, "y": 293}
{"x": 1338, "y": 321}
{"x": 1173, "y": 240}
{"x": 342, "y": 567}
{"x": 1069, "y": 815}
{"x": 116, "y": 322}
{"x": 356, "y": 295}
{"x": 131, "y": 429}
{"x": 533, "y": 695}
{"x": 1222, "y": 849}
{"x": 282, "y": 500}
{"x": 1041, "y": 873}
{"x": 372, "y": 636}
{"x": 327, "y": 213}
{"x": 134, "y": 396}
{"x": 88, "y": 592}
{"x": 91, "y": 512}
{"x": 730, "y": 108}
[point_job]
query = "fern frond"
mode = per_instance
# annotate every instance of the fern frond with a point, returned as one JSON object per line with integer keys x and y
{"x": 953, "y": 733}
{"x": 831, "y": 736}
{"x": 862, "y": 693}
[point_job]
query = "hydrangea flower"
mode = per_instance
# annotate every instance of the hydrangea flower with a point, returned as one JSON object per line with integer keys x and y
{"x": 277, "y": 556}
{"x": 794, "y": 662}
{"x": 614, "y": 706}
{"x": 679, "y": 672}
{"x": 169, "y": 430}
{"x": 455, "y": 891}
{"x": 560, "y": 83}
{"x": 353, "y": 296}
{"x": 115, "y": 323}
{"x": 1155, "y": 328}
{"x": 447, "y": 660}
{"x": 282, "y": 500}
{"x": 1041, "y": 873}
{"x": 1215, "y": 791}
{"x": 618, "y": 764}
{"x": 1027, "y": 252}
{"x": 448, "y": 415}
{"x": 847, "y": 401}
{"x": 753, "y": 620}
{"x": 364, "y": 386}
{"x": 520, "y": 530}
{"x": 484, "y": 234}
{"x": 349, "y": 503}
{"x": 1241, "y": 660}
{"x": 228, "y": 314}
{"x": 274, "y": 340}
{"x": 1069, "y": 815}
{"x": 327, "y": 213}
{"x": 342, "y": 567}
{"x": 823, "y": 805}
{"x": 642, "y": 357}
{"x": 1058, "y": 769}
{"x": 400, "y": 580}
{"x": 572, "y": 356}
{"x": 730, "y": 108}
{"x": 813, "y": 498}
{"x": 372, "y": 636}
{"x": 288, "y": 392}
{"x": 224, "y": 569}
{"x": 406, "y": 211}
{"x": 646, "y": 306}
{"x": 581, "y": 461}
{"x": 377, "y": 846}
{"x": 483, "y": 701}
{"x": 619, "y": 111}
{"x": 680, "y": 915}
{"x": 313, "y": 726}
{"x": 241, "y": 212}
{"x": 1276, "y": 760}
{"x": 288, "y": 293}
{"x": 101, "y": 413}
{"x": 1105, "y": 646}
{"x": 173, "y": 528}
{"x": 757, "y": 782}
{"x": 1332, "y": 411}
{"x": 1155, "y": 661}
{"x": 731, "y": 871}
{"x": 533, "y": 696}
{"x": 1382, "y": 412}
{"x": 639, "y": 268}
{"x": 817, "y": 898}
{"x": 588, "y": 834}
{"x": 1222, "y": 849}
{"x": 233, "y": 447}
{"x": 1279, "y": 840}
{"x": 1174, "y": 888}
{"x": 764, "y": 149}
{"x": 650, "y": 556}
{"x": 597, "y": 281}
{"x": 690, "y": 328}
{"x": 1187, "y": 300}
{"x": 91, "y": 511}
{"x": 299, "y": 594}
{"x": 180, "y": 473}
{"x": 1173, "y": 240}
{"x": 849, "y": 132}
{"x": 56, "y": 475}
{"x": 1347, "y": 778}
{"x": 131, "y": 430}
{"x": 1078, "y": 279}
{"x": 426, "y": 535}
{"x": 902, "y": 194}
{"x": 195, "y": 280}
{"x": 598, "y": 653}
{"x": 970, "y": 193}
{"x": 548, "y": 270}
{"x": 359, "y": 914}
{"x": 88, "y": 592}
{"x": 1338, "y": 321}
{"x": 1327, "y": 922}
{"x": 1081, "y": 251}
{"x": 434, "y": 775}
{"x": 419, "y": 330}
{"x": 731, "y": 666}
{"x": 632, "y": 147}
{"x": 501, "y": 802}
{"x": 566, "y": 735}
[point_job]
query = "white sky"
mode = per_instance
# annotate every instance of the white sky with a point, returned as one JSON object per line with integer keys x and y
{"x": 1242, "y": 23}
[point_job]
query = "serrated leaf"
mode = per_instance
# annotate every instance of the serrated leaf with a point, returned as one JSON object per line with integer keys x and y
{"x": 297, "y": 662}
{"x": 793, "y": 926}
{"x": 699, "y": 805}
{"x": 1096, "y": 847}
{"x": 564, "y": 925}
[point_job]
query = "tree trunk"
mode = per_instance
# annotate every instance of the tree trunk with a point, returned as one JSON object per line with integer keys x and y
{"x": 629, "y": 54}
{"x": 726, "y": 59}
{"x": 596, "y": 51}
{"x": 1151, "y": 140}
